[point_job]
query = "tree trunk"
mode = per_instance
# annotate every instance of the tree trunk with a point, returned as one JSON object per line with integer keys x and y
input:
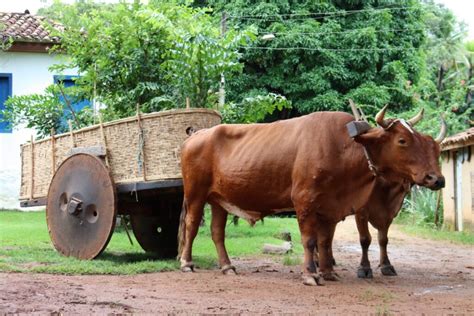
{"x": 468, "y": 82}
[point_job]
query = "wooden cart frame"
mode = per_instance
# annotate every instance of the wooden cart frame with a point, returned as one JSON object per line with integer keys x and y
{"x": 129, "y": 166}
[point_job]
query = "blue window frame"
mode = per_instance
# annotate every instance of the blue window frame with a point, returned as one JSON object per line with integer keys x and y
{"x": 69, "y": 81}
{"x": 5, "y": 93}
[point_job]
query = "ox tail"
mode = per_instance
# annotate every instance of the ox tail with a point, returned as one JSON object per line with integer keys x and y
{"x": 182, "y": 229}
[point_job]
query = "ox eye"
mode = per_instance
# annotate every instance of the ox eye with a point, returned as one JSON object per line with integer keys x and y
{"x": 402, "y": 142}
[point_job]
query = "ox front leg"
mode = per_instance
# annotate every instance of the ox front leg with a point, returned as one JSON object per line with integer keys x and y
{"x": 218, "y": 222}
{"x": 310, "y": 275}
{"x": 364, "y": 271}
{"x": 316, "y": 257}
{"x": 325, "y": 234}
{"x": 385, "y": 266}
{"x": 192, "y": 218}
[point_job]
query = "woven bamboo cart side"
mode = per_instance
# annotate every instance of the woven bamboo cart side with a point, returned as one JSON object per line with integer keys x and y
{"x": 145, "y": 147}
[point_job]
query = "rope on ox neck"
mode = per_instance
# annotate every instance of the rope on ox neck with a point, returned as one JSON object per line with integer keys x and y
{"x": 372, "y": 167}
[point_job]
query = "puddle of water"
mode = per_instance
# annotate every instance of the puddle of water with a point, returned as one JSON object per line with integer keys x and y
{"x": 438, "y": 289}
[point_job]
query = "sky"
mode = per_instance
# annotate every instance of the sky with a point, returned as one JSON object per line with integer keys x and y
{"x": 463, "y": 9}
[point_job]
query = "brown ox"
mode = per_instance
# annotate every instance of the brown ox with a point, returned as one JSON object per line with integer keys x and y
{"x": 383, "y": 206}
{"x": 308, "y": 163}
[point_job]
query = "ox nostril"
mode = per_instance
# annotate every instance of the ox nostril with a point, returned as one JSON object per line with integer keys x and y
{"x": 429, "y": 178}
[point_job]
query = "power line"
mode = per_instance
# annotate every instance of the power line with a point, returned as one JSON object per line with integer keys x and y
{"x": 313, "y": 14}
{"x": 339, "y": 32}
{"x": 327, "y": 49}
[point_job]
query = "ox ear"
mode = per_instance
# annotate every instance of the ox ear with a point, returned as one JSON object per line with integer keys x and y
{"x": 369, "y": 137}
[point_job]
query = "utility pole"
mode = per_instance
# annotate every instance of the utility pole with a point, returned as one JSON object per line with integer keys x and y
{"x": 222, "y": 83}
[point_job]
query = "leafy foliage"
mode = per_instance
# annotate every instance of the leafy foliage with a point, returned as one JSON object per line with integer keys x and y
{"x": 254, "y": 109}
{"x": 408, "y": 55}
{"x": 446, "y": 85}
{"x": 419, "y": 207}
{"x": 155, "y": 55}
{"x": 46, "y": 112}
{"x": 320, "y": 60}
{"x": 5, "y": 41}
{"x": 376, "y": 53}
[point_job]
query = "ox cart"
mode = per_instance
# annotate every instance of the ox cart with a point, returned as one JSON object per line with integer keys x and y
{"x": 126, "y": 167}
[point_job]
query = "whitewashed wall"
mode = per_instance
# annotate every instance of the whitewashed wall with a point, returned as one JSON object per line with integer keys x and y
{"x": 30, "y": 74}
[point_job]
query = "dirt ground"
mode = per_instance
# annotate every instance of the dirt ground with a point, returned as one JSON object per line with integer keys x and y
{"x": 433, "y": 278}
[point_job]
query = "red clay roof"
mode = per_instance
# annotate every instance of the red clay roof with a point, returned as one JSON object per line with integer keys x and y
{"x": 24, "y": 27}
{"x": 462, "y": 139}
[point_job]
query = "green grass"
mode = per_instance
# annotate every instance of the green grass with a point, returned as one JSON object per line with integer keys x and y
{"x": 417, "y": 219}
{"x": 464, "y": 238}
{"x": 25, "y": 247}
{"x": 292, "y": 260}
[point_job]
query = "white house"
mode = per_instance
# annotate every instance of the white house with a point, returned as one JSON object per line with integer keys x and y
{"x": 24, "y": 69}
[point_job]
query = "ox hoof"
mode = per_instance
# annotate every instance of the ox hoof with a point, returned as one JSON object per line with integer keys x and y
{"x": 312, "y": 279}
{"x": 331, "y": 276}
{"x": 187, "y": 267}
{"x": 388, "y": 270}
{"x": 364, "y": 273}
{"x": 228, "y": 270}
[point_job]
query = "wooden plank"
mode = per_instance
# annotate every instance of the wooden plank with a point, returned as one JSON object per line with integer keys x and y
{"x": 53, "y": 152}
{"x": 104, "y": 140}
{"x": 141, "y": 143}
{"x": 357, "y": 128}
{"x": 472, "y": 191}
{"x": 32, "y": 180}
{"x": 34, "y": 202}
{"x": 149, "y": 185}
{"x": 71, "y": 133}
{"x": 30, "y": 47}
{"x": 98, "y": 151}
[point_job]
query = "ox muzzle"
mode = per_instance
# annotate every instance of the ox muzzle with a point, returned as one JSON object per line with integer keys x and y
{"x": 434, "y": 182}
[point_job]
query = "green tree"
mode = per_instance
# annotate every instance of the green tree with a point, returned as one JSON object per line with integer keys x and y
{"x": 254, "y": 109}
{"x": 325, "y": 52}
{"x": 155, "y": 55}
{"x": 47, "y": 112}
{"x": 445, "y": 86}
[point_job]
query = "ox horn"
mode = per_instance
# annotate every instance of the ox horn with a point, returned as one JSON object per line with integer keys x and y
{"x": 442, "y": 132}
{"x": 379, "y": 118}
{"x": 415, "y": 119}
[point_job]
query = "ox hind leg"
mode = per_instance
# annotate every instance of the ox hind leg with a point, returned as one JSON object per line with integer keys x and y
{"x": 364, "y": 271}
{"x": 193, "y": 210}
{"x": 385, "y": 266}
{"x": 218, "y": 223}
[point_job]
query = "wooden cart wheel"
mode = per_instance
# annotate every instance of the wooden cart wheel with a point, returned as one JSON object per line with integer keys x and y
{"x": 158, "y": 233}
{"x": 81, "y": 207}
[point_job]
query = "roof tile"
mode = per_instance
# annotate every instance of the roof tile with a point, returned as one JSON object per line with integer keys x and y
{"x": 25, "y": 27}
{"x": 462, "y": 139}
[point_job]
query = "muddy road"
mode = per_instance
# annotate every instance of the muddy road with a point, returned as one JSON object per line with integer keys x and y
{"x": 433, "y": 278}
